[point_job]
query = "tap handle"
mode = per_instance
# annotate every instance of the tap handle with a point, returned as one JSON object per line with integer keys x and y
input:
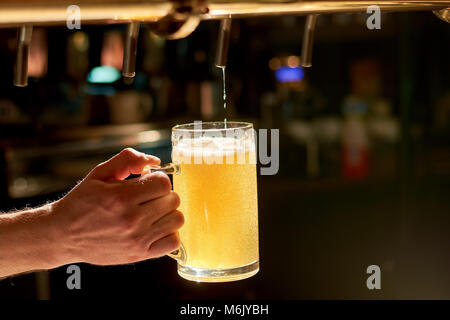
{"x": 308, "y": 40}
{"x": 223, "y": 43}
{"x": 129, "y": 55}
{"x": 23, "y": 50}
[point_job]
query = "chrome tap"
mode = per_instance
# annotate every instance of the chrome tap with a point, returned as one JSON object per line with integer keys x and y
{"x": 174, "y": 19}
{"x": 223, "y": 43}
{"x": 308, "y": 40}
{"x": 23, "y": 50}
{"x": 53, "y": 12}
{"x": 129, "y": 54}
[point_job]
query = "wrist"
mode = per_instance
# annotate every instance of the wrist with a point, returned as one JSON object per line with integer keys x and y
{"x": 43, "y": 239}
{"x": 60, "y": 251}
{"x": 29, "y": 242}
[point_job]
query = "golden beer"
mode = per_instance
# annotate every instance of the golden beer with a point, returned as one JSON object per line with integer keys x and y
{"x": 216, "y": 183}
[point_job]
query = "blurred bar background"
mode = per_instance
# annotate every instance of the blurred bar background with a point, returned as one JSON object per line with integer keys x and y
{"x": 364, "y": 146}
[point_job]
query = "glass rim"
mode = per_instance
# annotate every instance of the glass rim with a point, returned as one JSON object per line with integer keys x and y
{"x": 239, "y": 125}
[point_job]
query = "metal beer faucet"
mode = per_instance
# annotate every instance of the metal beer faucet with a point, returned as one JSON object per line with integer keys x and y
{"x": 175, "y": 19}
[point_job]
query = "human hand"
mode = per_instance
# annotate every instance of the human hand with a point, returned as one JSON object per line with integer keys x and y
{"x": 106, "y": 220}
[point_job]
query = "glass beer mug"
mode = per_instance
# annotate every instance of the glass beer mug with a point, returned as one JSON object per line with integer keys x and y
{"x": 214, "y": 173}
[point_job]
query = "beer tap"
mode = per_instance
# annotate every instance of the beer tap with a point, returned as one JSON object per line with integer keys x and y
{"x": 23, "y": 50}
{"x": 18, "y": 13}
{"x": 175, "y": 19}
{"x": 129, "y": 55}
{"x": 223, "y": 43}
{"x": 443, "y": 14}
{"x": 308, "y": 40}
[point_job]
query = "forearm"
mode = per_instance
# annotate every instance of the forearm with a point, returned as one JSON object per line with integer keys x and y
{"x": 27, "y": 242}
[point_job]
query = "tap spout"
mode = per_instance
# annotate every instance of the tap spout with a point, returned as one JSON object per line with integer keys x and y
{"x": 129, "y": 55}
{"x": 308, "y": 40}
{"x": 223, "y": 43}
{"x": 23, "y": 49}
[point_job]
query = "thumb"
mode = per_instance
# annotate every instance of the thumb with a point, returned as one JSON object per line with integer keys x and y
{"x": 128, "y": 161}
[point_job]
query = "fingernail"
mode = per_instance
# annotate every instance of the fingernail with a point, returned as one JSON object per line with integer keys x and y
{"x": 146, "y": 170}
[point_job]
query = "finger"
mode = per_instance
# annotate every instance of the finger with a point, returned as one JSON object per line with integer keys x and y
{"x": 166, "y": 225}
{"x": 165, "y": 245}
{"x": 146, "y": 188}
{"x": 154, "y": 210}
{"x": 128, "y": 161}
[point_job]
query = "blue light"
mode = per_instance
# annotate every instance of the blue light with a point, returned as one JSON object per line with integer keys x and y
{"x": 288, "y": 74}
{"x": 103, "y": 74}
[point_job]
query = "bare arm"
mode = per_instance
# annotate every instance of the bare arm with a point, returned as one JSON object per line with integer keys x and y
{"x": 104, "y": 220}
{"x": 26, "y": 242}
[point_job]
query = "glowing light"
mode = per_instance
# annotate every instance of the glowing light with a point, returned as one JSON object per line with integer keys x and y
{"x": 149, "y": 136}
{"x": 293, "y": 61}
{"x": 80, "y": 41}
{"x": 103, "y": 74}
{"x": 112, "y": 50}
{"x": 287, "y": 74}
{"x": 274, "y": 63}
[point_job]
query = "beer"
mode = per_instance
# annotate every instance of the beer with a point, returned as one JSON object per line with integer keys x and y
{"x": 217, "y": 187}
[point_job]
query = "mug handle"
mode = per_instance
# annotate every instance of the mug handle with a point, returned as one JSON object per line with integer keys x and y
{"x": 179, "y": 255}
{"x": 169, "y": 168}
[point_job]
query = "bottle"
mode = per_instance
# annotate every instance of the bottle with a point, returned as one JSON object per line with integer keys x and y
{"x": 355, "y": 140}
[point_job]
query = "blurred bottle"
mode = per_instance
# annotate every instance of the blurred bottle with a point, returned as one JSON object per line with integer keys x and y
{"x": 77, "y": 60}
{"x": 366, "y": 86}
{"x": 38, "y": 57}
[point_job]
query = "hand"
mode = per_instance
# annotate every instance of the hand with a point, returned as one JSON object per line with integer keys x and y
{"x": 106, "y": 220}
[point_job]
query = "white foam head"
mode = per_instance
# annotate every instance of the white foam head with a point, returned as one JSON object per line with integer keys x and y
{"x": 207, "y": 149}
